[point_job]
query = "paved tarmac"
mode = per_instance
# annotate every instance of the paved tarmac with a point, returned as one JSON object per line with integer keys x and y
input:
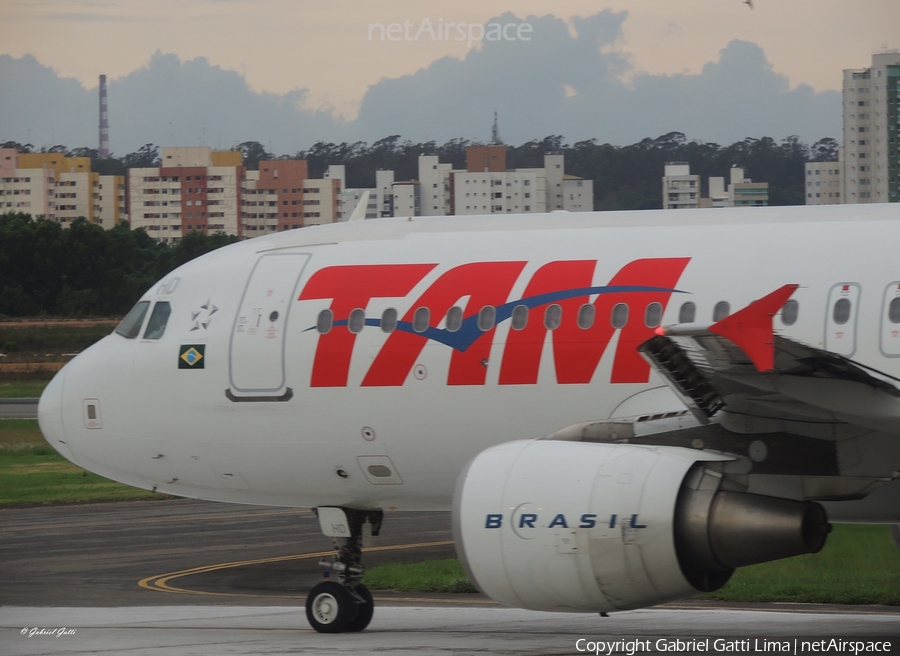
{"x": 189, "y": 630}
{"x": 185, "y": 577}
{"x": 18, "y": 408}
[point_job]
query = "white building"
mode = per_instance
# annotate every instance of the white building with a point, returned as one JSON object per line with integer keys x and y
{"x": 380, "y": 201}
{"x": 681, "y": 190}
{"x": 384, "y": 202}
{"x": 824, "y": 183}
{"x": 554, "y": 172}
{"x": 744, "y": 192}
{"x": 522, "y": 191}
{"x": 59, "y": 188}
{"x": 871, "y": 168}
{"x": 718, "y": 197}
{"x": 406, "y": 198}
{"x": 434, "y": 183}
{"x": 321, "y": 201}
{"x": 578, "y": 194}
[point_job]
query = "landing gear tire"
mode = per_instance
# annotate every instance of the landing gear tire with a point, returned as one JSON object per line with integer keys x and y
{"x": 345, "y": 605}
{"x": 364, "y": 610}
{"x": 331, "y": 608}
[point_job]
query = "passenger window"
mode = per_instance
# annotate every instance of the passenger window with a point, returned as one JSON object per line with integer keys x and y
{"x": 389, "y": 320}
{"x": 586, "y": 315}
{"x": 789, "y": 313}
{"x": 156, "y": 326}
{"x": 619, "y": 316}
{"x": 454, "y": 319}
{"x": 894, "y": 310}
{"x": 130, "y": 326}
{"x": 420, "y": 319}
{"x": 519, "y": 317}
{"x": 486, "y": 318}
{"x": 552, "y": 317}
{"x": 722, "y": 310}
{"x": 653, "y": 315}
{"x": 324, "y": 322}
{"x": 357, "y": 321}
{"x": 687, "y": 313}
{"x": 841, "y": 311}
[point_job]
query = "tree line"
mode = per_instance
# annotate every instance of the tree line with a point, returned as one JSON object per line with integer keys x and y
{"x": 625, "y": 177}
{"x": 84, "y": 270}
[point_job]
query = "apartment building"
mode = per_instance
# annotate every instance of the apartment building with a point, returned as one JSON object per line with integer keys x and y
{"x": 823, "y": 183}
{"x": 59, "y": 188}
{"x": 195, "y": 189}
{"x": 681, "y": 189}
{"x": 871, "y": 167}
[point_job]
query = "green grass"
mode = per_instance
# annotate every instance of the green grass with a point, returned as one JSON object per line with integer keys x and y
{"x": 19, "y": 388}
{"x": 31, "y": 472}
{"x": 58, "y": 337}
{"x": 20, "y": 433}
{"x": 428, "y": 576}
{"x": 859, "y": 565}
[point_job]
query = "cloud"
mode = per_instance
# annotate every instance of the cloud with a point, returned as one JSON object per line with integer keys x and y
{"x": 174, "y": 102}
{"x": 531, "y": 85}
{"x": 38, "y": 105}
{"x": 570, "y": 79}
{"x": 167, "y": 102}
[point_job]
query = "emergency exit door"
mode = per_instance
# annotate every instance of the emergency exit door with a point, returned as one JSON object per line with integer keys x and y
{"x": 840, "y": 320}
{"x": 256, "y": 358}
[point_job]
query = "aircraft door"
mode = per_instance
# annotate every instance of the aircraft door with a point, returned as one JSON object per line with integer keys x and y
{"x": 890, "y": 321}
{"x": 256, "y": 358}
{"x": 840, "y": 320}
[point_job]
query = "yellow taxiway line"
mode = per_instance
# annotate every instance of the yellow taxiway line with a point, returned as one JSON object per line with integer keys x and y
{"x": 162, "y": 582}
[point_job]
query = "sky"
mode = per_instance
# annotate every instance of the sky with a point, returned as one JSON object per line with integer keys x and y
{"x": 213, "y": 71}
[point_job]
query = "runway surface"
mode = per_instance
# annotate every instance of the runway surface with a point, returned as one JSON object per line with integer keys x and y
{"x": 191, "y": 577}
{"x": 178, "y": 631}
{"x": 18, "y": 408}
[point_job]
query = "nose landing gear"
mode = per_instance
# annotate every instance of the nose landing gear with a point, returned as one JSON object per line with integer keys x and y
{"x": 344, "y": 605}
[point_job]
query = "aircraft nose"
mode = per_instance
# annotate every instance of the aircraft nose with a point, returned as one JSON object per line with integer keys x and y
{"x": 50, "y": 417}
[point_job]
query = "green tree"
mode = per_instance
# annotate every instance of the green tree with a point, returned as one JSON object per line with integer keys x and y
{"x": 252, "y": 152}
{"x": 147, "y": 156}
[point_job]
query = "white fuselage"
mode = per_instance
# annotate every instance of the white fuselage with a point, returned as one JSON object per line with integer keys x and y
{"x": 283, "y": 414}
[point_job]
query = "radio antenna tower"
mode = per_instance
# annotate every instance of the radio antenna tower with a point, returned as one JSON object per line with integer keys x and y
{"x": 495, "y": 132}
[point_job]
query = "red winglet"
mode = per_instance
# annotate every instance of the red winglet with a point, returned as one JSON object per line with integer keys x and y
{"x": 751, "y": 328}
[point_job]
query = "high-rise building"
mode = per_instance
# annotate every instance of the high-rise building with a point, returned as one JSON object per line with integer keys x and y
{"x": 744, "y": 192}
{"x": 59, "y": 188}
{"x": 434, "y": 186}
{"x": 824, "y": 182}
{"x": 871, "y": 168}
{"x": 681, "y": 189}
{"x": 486, "y": 187}
{"x": 195, "y": 189}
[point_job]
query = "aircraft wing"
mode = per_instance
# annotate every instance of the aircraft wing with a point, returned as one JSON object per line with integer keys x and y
{"x": 740, "y": 366}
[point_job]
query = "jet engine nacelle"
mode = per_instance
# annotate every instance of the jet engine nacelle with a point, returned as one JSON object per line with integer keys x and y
{"x": 573, "y": 526}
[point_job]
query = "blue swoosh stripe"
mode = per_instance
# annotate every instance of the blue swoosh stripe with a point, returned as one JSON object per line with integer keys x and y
{"x": 468, "y": 332}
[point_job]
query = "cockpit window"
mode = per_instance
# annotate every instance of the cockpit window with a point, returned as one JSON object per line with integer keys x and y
{"x": 130, "y": 326}
{"x": 158, "y": 320}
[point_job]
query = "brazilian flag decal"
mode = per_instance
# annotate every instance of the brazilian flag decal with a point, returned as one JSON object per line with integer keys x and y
{"x": 191, "y": 356}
